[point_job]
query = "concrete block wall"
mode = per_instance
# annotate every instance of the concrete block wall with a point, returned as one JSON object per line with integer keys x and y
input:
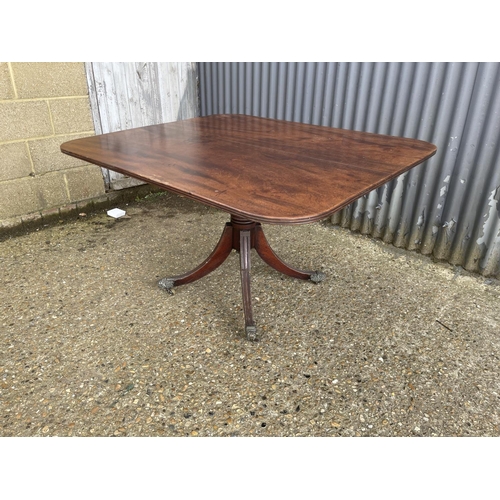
{"x": 43, "y": 105}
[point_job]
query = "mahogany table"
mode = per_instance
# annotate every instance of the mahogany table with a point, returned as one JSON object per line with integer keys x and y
{"x": 258, "y": 170}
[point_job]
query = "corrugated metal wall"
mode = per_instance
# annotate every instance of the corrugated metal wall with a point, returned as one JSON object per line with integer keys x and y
{"x": 448, "y": 207}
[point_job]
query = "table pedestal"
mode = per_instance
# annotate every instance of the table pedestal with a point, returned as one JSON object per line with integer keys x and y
{"x": 241, "y": 235}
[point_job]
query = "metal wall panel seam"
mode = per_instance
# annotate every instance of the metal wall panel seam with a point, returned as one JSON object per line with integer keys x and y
{"x": 488, "y": 156}
{"x": 415, "y": 209}
{"x": 461, "y": 217}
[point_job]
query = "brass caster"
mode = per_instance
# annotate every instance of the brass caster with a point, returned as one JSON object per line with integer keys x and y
{"x": 166, "y": 284}
{"x": 251, "y": 332}
{"x": 317, "y": 276}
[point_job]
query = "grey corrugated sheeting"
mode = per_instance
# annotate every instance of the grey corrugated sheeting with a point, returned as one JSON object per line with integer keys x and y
{"x": 448, "y": 207}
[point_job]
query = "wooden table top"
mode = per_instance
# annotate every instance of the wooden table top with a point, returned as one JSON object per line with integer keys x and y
{"x": 265, "y": 170}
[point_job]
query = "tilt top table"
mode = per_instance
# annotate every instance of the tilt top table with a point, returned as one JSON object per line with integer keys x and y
{"x": 258, "y": 170}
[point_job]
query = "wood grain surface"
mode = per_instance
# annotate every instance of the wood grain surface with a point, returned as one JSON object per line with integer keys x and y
{"x": 265, "y": 170}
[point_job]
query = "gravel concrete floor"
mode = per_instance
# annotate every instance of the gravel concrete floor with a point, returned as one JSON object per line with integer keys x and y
{"x": 390, "y": 344}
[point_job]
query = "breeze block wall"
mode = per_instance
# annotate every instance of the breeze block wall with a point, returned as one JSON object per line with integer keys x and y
{"x": 43, "y": 105}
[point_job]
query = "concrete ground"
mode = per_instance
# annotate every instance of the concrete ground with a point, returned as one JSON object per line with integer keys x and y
{"x": 390, "y": 344}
